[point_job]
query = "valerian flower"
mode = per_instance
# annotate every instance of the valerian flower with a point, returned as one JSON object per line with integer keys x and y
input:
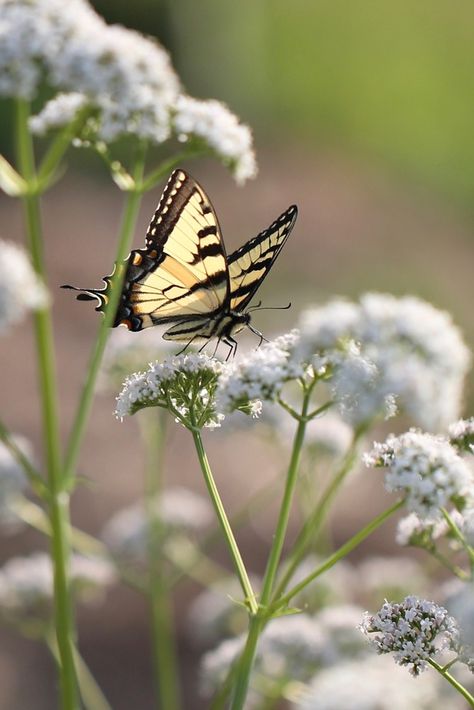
{"x": 427, "y": 470}
{"x": 261, "y": 374}
{"x": 419, "y": 353}
{"x": 461, "y": 435}
{"x": 183, "y": 384}
{"x": 415, "y": 631}
{"x": 20, "y": 288}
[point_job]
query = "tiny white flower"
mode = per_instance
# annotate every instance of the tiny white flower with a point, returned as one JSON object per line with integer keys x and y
{"x": 418, "y": 351}
{"x": 461, "y": 434}
{"x": 427, "y": 470}
{"x": 370, "y": 683}
{"x": 212, "y": 122}
{"x": 414, "y": 630}
{"x": 57, "y": 112}
{"x": 20, "y": 287}
{"x": 184, "y": 384}
{"x": 259, "y": 375}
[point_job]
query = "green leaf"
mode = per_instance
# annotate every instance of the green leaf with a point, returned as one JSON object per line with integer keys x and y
{"x": 10, "y": 181}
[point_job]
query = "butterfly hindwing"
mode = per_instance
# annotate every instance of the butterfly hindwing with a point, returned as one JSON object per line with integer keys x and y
{"x": 249, "y": 265}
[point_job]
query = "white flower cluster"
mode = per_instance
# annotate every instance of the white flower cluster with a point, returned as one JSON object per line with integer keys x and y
{"x": 57, "y": 112}
{"x": 26, "y": 583}
{"x": 414, "y": 630}
{"x": 427, "y": 470}
{"x": 184, "y": 384}
{"x": 12, "y": 480}
{"x": 177, "y": 510}
{"x": 370, "y": 683}
{"x": 461, "y": 434}
{"x": 419, "y": 353}
{"x": 356, "y": 386}
{"x": 125, "y": 79}
{"x": 212, "y": 122}
{"x": 20, "y": 287}
{"x": 261, "y": 374}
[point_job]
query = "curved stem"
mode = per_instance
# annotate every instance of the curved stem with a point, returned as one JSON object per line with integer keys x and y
{"x": 225, "y": 525}
{"x": 132, "y": 206}
{"x": 338, "y": 555}
{"x": 456, "y": 684}
{"x": 58, "y": 499}
{"x": 314, "y": 522}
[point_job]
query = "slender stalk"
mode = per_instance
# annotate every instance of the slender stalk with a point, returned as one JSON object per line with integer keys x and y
{"x": 245, "y": 663}
{"x": 58, "y": 499}
{"x": 91, "y": 695}
{"x": 456, "y": 684}
{"x": 338, "y": 555}
{"x": 282, "y": 524}
{"x": 458, "y": 535}
{"x": 256, "y": 624}
{"x": 132, "y": 206}
{"x": 314, "y": 522}
{"x": 162, "y": 631}
{"x": 225, "y": 525}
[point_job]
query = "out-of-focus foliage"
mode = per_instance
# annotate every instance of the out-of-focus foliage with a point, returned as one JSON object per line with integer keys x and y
{"x": 391, "y": 80}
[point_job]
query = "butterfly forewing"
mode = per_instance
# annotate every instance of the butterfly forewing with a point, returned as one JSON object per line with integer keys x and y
{"x": 249, "y": 265}
{"x": 182, "y": 271}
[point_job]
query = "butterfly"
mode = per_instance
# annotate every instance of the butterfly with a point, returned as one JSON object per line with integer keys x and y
{"x": 183, "y": 277}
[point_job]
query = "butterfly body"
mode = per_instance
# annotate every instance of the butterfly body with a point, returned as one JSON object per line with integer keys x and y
{"x": 183, "y": 277}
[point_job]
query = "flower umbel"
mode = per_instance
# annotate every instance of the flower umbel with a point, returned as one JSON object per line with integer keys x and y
{"x": 415, "y": 631}
{"x": 427, "y": 470}
{"x": 183, "y": 384}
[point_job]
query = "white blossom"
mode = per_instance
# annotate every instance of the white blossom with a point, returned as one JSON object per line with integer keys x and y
{"x": 212, "y": 122}
{"x": 427, "y": 470}
{"x": 370, "y": 683}
{"x": 57, "y": 112}
{"x": 461, "y": 434}
{"x": 26, "y": 583}
{"x": 177, "y": 510}
{"x": 20, "y": 287}
{"x": 261, "y": 374}
{"x": 415, "y": 631}
{"x": 418, "y": 351}
{"x": 184, "y": 384}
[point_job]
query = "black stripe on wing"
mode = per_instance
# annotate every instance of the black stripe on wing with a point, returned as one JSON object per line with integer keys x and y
{"x": 249, "y": 265}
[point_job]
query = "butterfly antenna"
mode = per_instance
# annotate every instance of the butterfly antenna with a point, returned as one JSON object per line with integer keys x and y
{"x": 86, "y": 294}
{"x": 268, "y": 308}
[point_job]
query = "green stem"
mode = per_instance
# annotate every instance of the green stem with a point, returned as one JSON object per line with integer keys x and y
{"x": 161, "y": 607}
{"x": 167, "y": 166}
{"x": 225, "y": 525}
{"x": 256, "y": 625}
{"x": 58, "y": 147}
{"x": 91, "y": 694}
{"x": 314, "y": 522}
{"x": 338, "y": 555}
{"x": 458, "y": 535}
{"x": 282, "y": 524}
{"x": 58, "y": 499}
{"x": 245, "y": 663}
{"x": 132, "y": 206}
{"x": 460, "y": 688}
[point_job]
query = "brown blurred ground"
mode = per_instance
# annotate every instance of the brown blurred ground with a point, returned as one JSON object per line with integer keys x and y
{"x": 358, "y": 230}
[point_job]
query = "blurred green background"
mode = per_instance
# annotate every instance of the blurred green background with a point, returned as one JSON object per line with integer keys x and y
{"x": 363, "y": 115}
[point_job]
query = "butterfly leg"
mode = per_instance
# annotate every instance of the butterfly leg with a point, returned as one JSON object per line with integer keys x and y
{"x": 180, "y": 352}
{"x": 232, "y": 346}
